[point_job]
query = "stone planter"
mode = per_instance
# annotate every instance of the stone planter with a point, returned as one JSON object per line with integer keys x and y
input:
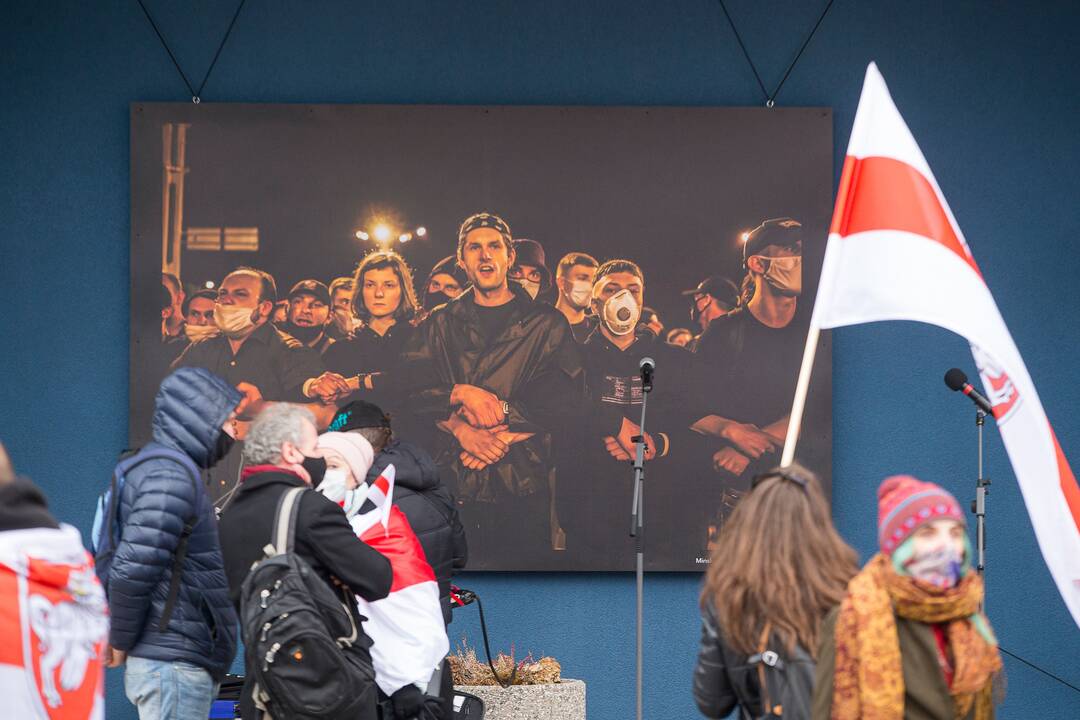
{"x": 564, "y": 700}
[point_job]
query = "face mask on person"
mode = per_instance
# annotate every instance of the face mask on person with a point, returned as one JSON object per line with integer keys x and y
{"x": 195, "y": 333}
{"x": 315, "y": 468}
{"x": 620, "y": 313}
{"x": 234, "y": 321}
{"x": 785, "y": 274}
{"x": 940, "y": 567}
{"x": 435, "y": 299}
{"x": 303, "y": 333}
{"x": 580, "y": 292}
{"x": 334, "y": 486}
{"x": 531, "y": 286}
{"x": 345, "y": 321}
{"x": 222, "y": 447}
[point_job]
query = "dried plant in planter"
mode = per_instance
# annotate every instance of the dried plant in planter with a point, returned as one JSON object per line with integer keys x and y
{"x": 468, "y": 669}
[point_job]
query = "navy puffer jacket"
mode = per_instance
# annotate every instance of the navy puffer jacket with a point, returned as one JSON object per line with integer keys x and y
{"x": 158, "y": 496}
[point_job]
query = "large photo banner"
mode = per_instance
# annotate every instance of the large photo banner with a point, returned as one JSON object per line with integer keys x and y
{"x": 490, "y": 278}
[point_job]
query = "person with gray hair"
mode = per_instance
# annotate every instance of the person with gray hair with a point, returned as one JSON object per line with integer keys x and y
{"x": 280, "y": 453}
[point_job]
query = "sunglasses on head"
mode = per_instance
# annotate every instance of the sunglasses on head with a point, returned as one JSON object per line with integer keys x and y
{"x": 783, "y": 473}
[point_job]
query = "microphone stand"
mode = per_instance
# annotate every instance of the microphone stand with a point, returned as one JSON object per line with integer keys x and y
{"x": 978, "y": 506}
{"x": 637, "y": 532}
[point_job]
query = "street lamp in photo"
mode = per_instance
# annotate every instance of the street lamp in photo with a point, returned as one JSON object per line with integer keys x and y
{"x": 383, "y": 235}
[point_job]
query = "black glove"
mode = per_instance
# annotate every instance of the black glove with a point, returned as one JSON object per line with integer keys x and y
{"x": 432, "y": 709}
{"x": 407, "y": 702}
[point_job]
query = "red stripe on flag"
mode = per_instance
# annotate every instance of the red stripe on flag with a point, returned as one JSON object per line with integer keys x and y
{"x": 882, "y": 193}
{"x": 382, "y": 484}
{"x": 1068, "y": 482}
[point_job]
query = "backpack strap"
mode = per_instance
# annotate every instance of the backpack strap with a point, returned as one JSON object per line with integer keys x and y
{"x": 285, "y": 521}
{"x": 760, "y": 660}
{"x": 177, "y": 570}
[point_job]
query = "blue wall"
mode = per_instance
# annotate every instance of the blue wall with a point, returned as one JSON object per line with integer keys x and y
{"x": 988, "y": 89}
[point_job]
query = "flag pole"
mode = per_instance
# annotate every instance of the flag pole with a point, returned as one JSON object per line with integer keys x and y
{"x": 801, "y": 389}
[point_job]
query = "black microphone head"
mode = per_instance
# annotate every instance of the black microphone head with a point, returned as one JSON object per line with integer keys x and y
{"x": 956, "y": 379}
{"x": 647, "y": 363}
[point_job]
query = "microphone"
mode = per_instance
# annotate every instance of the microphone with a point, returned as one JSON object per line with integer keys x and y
{"x": 958, "y": 382}
{"x": 647, "y": 365}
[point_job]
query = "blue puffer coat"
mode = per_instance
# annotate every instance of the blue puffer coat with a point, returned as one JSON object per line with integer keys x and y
{"x": 158, "y": 496}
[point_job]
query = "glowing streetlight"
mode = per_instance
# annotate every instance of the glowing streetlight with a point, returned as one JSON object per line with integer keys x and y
{"x": 381, "y": 232}
{"x": 361, "y": 235}
{"x": 745, "y": 236}
{"x": 209, "y": 285}
{"x": 421, "y": 231}
{"x": 404, "y": 237}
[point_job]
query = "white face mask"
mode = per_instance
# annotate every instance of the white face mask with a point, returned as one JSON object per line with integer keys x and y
{"x": 346, "y": 322}
{"x": 531, "y": 287}
{"x": 195, "y": 333}
{"x": 580, "y": 292}
{"x": 334, "y": 485}
{"x": 233, "y": 320}
{"x": 620, "y": 313}
{"x": 785, "y": 273}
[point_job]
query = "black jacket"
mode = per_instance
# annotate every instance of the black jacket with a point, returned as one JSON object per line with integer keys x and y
{"x": 725, "y": 679}
{"x": 430, "y": 510}
{"x": 158, "y": 496}
{"x": 323, "y": 536}
{"x": 533, "y": 364}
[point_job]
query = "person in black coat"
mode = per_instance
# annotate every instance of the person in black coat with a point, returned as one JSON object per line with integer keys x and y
{"x": 280, "y": 454}
{"x": 194, "y": 413}
{"x": 418, "y": 492}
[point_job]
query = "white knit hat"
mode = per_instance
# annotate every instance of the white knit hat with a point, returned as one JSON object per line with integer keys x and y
{"x": 354, "y": 447}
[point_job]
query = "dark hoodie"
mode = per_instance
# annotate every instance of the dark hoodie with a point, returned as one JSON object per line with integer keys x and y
{"x": 430, "y": 509}
{"x": 23, "y": 506}
{"x": 158, "y": 496}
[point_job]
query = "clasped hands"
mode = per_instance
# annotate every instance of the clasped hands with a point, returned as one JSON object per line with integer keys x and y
{"x": 479, "y": 425}
{"x": 621, "y": 446}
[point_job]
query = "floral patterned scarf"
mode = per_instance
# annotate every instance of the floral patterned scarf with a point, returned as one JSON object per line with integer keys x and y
{"x": 869, "y": 681}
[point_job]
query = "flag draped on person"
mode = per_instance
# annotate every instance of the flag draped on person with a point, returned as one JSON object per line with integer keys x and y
{"x": 407, "y": 625}
{"x": 55, "y": 625}
{"x": 895, "y": 252}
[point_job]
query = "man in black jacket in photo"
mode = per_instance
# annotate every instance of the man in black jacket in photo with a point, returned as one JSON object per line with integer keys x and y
{"x": 280, "y": 454}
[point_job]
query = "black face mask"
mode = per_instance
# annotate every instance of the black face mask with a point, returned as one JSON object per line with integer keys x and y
{"x": 435, "y": 299}
{"x": 316, "y": 468}
{"x": 304, "y": 334}
{"x": 222, "y": 447}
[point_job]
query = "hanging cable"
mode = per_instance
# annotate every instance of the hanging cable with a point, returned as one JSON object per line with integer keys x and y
{"x": 1036, "y": 667}
{"x": 770, "y": 100}
{"x": 745, "y": 53}
{"x": 195, "y": 94}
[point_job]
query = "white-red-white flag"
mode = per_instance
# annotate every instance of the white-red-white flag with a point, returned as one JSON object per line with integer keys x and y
{"x": 54, "y": 622}
{"x": 406, "y": 627}
{"x": 895, "y": 252}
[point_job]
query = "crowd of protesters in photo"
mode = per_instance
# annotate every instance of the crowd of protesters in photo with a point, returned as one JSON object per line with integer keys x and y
{"x": 317, "y": 464}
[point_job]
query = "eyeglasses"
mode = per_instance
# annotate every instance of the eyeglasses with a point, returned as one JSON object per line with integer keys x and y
{"x": 785, "y": 473}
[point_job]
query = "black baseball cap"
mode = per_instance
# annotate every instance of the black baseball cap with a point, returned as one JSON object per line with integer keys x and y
{"x": 311, "y": 287}
{"x": 782, "y": 232}
{"x": 718, "y": 286}
{"x": 359, "y": 414}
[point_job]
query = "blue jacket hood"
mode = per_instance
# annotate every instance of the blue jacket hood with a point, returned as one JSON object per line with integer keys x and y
{"x": 191, "y": 406}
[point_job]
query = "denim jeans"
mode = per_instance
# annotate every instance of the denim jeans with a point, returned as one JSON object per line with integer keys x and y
{"x": 164, "y": 690}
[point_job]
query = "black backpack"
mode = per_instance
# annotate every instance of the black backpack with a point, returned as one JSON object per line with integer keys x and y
{"x": 303, "y": 648}
{"x": 783, "y": 685}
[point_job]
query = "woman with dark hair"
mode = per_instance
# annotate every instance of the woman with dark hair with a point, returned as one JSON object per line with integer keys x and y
{"x": 385, "y": 302}
{"x": 778, "y": 568}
